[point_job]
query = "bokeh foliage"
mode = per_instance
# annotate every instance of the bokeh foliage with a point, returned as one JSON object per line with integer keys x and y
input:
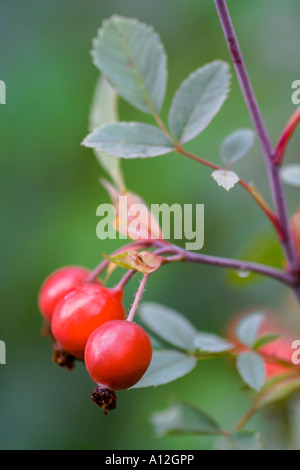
{"x": 50, "y": 192}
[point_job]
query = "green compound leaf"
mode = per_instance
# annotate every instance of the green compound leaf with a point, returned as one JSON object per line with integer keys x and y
{"x": 169, "y": 325}
{"x": 237, "y": 145}
{"x": 198, "y": 100}
{"x": 165, "y": 367}
{"x": 242, "y": 440}
{"x": 131, "y": 56}
{"x": 248, "y": 328}
{"x": 182, "y": 418}
{"x": 251, "y": 368}
{"x": 129, "y": 140}
{"x": 104, "y": 110}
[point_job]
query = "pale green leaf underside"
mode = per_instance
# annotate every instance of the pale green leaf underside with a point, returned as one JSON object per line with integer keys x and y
{"x": 248, "y": 328}
{"x": 131, "y": 56}
{"x": 243, "y": 440}
{"x": 290, "y": 174}
{"x": 207, "y": 342}
{"x": 104, "y": 105}
{"x": 169, "y": 325}
{"x": 165, "y": 367}
{"x": 252, "y": 369}
{"x": 198, "y": 100}
{"x": 182, "y": 418}
{"x": 129, "y": 140}
{"x": 236, "y": 145}
{"x": 104, "y": 110}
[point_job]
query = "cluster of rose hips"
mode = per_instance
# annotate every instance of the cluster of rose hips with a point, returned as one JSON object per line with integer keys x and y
{"x": 87, "y": 321}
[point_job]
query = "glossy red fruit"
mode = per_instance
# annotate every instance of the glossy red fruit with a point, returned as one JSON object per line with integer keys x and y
{"x": 57, "y": 285}
{"x": 117, "y": 354}
{"x": 81, "y": 311}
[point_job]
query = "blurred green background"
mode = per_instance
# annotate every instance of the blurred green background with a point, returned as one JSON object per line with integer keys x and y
{"x": 50, "y": 192}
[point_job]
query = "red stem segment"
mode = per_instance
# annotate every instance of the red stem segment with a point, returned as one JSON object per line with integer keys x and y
{"x": 286, "y": 137}
{"x": 266, "y": 145}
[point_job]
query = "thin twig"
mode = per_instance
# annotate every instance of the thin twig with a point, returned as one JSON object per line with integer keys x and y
{"x": 124, "y": 280}
{"x": 138, "y": 297}
{"x": 265, "y": 142}
{"x": 236, "y": 264}
{"x": 198, "y": 159}
{"x": 246, "y": 417}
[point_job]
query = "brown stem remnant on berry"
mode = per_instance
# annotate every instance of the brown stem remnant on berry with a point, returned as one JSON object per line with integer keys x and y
{"x": 104, "y": 398}
{"x": 46, "y": 330}
{"x": 62, "y": 358}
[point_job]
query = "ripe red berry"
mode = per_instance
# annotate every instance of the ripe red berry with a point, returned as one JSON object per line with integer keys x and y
{"x": 57, "y": 285}
{"x": 117, "y": 354}
{"x": 81, "y": 311}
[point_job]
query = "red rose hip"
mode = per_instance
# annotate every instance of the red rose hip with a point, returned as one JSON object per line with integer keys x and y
{"x": 117, "y": 355}
{"x": 83, "y": 310}
{"x": 57, "y": 285}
